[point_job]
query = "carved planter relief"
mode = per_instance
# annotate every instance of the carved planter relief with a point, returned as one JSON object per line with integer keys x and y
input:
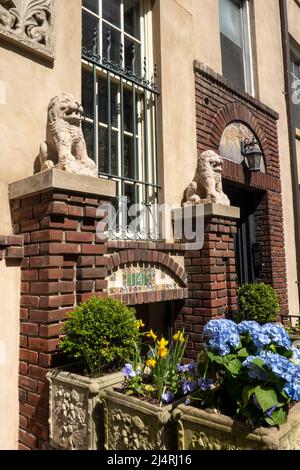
{"x": 75, "y": 409}
{"x": 133, "y": 424}
{"x": 200, "y": 430}
{"x": 30, "y": 23}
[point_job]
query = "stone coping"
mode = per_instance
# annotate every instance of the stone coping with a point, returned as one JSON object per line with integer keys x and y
{"x": 209, "y": 210}
{"x": 61, "y": 180}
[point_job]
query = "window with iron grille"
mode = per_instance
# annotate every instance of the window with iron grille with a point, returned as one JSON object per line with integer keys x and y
{"x": 295, "y": 72}
{"x": 236, "y": 43}
{"x": 119, "y": 95}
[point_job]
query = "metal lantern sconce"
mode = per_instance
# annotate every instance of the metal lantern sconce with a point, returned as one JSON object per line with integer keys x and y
{"x": 252, "y": 153}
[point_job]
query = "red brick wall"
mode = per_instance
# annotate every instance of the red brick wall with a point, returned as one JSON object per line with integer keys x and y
{"x": 218, "y": 104}
{"x": 64, "y": 264}
{"x": 211, "y": 281}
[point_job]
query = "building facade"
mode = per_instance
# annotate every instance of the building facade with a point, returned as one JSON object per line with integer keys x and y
{"x": 161, "y": 81}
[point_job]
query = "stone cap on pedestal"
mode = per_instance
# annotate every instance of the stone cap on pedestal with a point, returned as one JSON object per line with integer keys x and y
{"x": 208, "y": 210}
{"x": 62, "y": 180}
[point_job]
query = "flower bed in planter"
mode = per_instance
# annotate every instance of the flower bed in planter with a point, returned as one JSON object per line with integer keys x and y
{"x": 134, "y": 424}
{"x": 75, "y": 409}
{"x": 199, "y": 430}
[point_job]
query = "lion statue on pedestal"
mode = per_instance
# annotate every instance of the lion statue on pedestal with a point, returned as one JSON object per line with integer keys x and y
{"x": 65, "y": 146}
{"x": 206, "y": 186}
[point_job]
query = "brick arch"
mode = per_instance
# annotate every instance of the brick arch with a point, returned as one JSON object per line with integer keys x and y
{"x": 236, "y": 112}
{"x": 154, "y": 257}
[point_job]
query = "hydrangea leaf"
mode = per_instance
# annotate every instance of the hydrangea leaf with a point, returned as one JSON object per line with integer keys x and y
{"x": 279, "y": 417}
{"x": 247, "y": 393}
{"x": 266, "y": 397}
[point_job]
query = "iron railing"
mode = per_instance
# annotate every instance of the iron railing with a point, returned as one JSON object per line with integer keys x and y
{"x": 145, "y": 156}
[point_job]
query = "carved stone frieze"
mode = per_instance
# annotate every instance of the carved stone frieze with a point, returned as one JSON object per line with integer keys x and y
{"x": 31, "y": 23}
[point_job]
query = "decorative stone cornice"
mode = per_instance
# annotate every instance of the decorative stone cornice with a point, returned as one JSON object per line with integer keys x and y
{"x": 30, "y": 24}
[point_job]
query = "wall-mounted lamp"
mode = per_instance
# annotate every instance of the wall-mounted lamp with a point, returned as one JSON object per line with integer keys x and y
{"x": 252, "y": 153}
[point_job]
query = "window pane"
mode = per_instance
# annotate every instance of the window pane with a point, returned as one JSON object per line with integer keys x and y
{"x": 128, "y": 111}
{"x": 111, "y": 11}
{"x": 231, "y": 20}
{"x": 89, "y": 25}
{"x": 88, "y": 132}
{"x": 104, "y": 154}
{"x": 128, "y": 157}
{"x": 132, "y": 18}
{"x": 115, "y": 41}
{"x": 232, "y": 62}
{"x": 129, "y": 56}
{"x": 103, "y": 102}
{"x": 91, "y": 5}
{"x": 87, "y": 94}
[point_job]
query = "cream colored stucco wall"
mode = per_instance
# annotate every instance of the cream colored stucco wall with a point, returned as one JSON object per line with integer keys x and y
{"x": 188, "y": 30}
{"x": 30, "y": 84}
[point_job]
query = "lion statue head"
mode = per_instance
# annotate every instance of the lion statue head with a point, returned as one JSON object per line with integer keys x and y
{"x": 64, "y": 107}
{"x": 209, "y": 162}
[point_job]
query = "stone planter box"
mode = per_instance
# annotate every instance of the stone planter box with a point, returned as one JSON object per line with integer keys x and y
{"x": 133, "y": 424}
{"x": 200, "y": 430}
{"x": 76, "y": 409}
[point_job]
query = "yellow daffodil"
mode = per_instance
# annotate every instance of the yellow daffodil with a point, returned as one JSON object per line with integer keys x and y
{"x": 140, "y": 324}
{"x": 162, "y": 352}
{"x": 179, "y": 336}
{"x": 162, "y": 343}
{"x": 152, "y": 335}
{"x": 151, "y": 363}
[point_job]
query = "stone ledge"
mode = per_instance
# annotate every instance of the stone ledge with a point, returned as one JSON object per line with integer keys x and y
{"x": 62, "y": 180}
{"x": 209, "y": 210}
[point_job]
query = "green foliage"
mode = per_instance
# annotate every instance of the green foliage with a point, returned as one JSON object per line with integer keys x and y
{"x": 258, "y": 302}
{"x": 101, "y": 334}
{"x": 226, "y": 385}
{"x": 156, "y": 376}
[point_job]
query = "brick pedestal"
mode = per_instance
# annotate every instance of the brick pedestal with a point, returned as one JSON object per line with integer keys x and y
{"x": 64, "y": 264}
{"x": 211, "y": 274}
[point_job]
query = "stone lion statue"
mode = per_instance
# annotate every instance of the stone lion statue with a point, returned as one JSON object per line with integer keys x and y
{"x": 65, "y": 146}
{"x": 206, "y": 186}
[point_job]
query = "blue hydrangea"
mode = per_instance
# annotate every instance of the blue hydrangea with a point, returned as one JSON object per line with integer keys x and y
{"x": 277, "y": 334}
{"x": 270, "y": 333}
{"x": 250, "y": 327}
{"x": 292, "y": 388}
{"x": 279, "y": 365}
{"x": 223, "y": 335}
{"x": 296, "y": 356}
{"x": 254, "y": 371}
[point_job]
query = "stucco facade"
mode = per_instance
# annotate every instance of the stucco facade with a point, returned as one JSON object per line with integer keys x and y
{"x": 184, "y": 31}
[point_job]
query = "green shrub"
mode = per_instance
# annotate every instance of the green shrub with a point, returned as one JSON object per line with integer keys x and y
{"x": 101, "y": 334}
{"x": 258, "y": 302}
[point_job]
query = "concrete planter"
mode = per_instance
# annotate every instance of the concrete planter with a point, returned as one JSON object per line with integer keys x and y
{"x": 133, "y": 424}
{"x": 76, "y": 410}
{"x": 200, "y": 430}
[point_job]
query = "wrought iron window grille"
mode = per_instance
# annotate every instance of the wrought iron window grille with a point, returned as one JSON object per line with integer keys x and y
{"x": 143, "y": 179}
